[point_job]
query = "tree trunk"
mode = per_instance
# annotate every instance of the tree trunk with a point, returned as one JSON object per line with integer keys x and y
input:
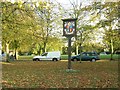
{"x": 16, "y": 54}
{"x": 76, "y": 46}
{"x": 7, "y": 52}
{"x": 39, "y": 51}
{"x": 45, "y": 42}
{"x": 81, "y": 47}
{"x": 44, "y": 48}
{"x": 111, "y": 44}
{"x": 80, "y": 53}
{"x": 76, "y": 49}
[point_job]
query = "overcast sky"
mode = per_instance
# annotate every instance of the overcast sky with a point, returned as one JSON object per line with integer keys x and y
{"x": 66, "y": 3}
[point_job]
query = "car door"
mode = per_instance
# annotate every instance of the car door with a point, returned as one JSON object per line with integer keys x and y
{"x": 44, "y": 56}
{"x": 83, "y": 57}
{"x": 49, "y": 56}
{"x": 88, "y": 57}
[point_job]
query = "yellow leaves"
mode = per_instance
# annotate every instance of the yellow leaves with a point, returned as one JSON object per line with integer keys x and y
{"x": 20, "y": 4}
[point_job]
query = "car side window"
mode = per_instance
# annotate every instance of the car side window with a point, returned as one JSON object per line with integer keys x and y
{"x": 84, "y": 54}
{"x": 44, "y": 54}
{"x": 88, "y": 54}
{"x": 92, "y": 54}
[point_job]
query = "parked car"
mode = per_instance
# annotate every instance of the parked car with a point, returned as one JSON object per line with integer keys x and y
{"x": 2, "y": 57}
{"x": 54, "y": 56}
{"x": 86, "y": 56}
{"x": 103, "y": 53}
{"x": 118, "y": 52}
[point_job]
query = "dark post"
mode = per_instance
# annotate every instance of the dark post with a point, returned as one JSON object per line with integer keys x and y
{"x": 69, "y": 52}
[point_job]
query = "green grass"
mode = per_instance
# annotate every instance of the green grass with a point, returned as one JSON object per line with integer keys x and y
{"x": 25, "y": 57}
{"x": 64, "y": 57}
{"x": 50, "y": 74}
{"x": 115, "y": 56}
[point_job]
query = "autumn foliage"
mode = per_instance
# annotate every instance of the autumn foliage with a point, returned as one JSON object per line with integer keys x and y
{"x": 49, "y": 74}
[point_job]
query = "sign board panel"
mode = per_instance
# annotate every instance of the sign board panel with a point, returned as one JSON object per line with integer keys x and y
{"x": 69, "y": 27}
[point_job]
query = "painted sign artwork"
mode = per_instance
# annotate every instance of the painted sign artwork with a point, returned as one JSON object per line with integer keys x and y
{"x": 69, "y": 27}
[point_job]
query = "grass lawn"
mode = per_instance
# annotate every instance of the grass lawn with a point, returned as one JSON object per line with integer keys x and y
{"x": 50, "y": 74}
{"x": 115, "y": 56}
{"x": 25, "y": 57}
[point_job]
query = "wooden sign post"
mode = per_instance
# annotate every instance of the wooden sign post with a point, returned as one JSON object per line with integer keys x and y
{"x": 69, "y": 31}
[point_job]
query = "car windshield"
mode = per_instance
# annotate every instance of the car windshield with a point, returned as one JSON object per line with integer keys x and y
{"x": 44, "y": 54}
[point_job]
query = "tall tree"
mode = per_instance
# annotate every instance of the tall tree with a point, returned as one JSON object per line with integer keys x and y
{"x": 85, "y": 29}
{"x": 47, "y": 18}
{"x": 15, "y": 24}
{"x": 110, "y": 12}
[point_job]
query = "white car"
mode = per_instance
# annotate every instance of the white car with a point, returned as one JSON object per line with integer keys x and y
{"x": 3, "y": 57}
{"x": 54, "y": 56}
{"x": 103, "y": 53}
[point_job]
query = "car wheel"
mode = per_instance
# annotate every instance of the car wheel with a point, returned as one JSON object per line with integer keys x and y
{"x": 75, "y": 59}
{"x": 93, "y": 60}
{"x": 54, "y": 59}
{"x": 37, "y": 59}
{"x": 34, "y": 60}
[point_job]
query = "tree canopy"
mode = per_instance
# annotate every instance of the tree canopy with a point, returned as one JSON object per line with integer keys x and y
{"x": 37, "y": 27}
